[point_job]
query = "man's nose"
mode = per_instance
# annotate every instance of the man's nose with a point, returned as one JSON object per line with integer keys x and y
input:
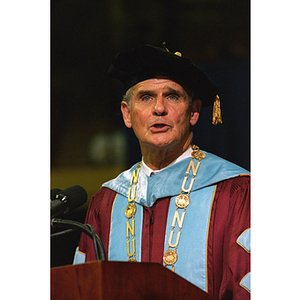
{"x": 160, "y": 108}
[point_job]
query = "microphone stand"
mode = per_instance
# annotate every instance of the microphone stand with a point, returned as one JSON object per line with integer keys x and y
{"x": 87, "y": 229}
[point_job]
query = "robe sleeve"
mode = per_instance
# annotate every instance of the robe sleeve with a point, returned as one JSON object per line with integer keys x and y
{"x": 98, "y": 215}
{"x": 231, "y": 243}
{"x": 238, "y": 237}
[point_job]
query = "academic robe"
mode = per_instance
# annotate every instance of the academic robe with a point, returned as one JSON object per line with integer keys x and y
{"x": 214, "y": 244}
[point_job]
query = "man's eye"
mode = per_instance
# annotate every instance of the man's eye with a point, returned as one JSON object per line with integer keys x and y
{"x": 173, "y": 97}
{"x": 146, "y": 98}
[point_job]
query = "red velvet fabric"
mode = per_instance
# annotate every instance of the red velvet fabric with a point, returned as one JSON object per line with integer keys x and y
{"x": 154, "y": 227}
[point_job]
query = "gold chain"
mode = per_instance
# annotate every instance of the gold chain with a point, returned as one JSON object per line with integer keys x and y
{"x": 181, "y": 201}
{"x": 130, "y": 212}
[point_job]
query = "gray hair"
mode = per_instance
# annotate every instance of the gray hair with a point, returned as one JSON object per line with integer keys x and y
{"x": 127, "y": 96}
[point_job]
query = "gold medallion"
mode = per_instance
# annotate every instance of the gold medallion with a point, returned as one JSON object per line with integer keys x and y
{"x": 130, "y": 210}
{"x": 182, "y": 200}
{"x": 198, "y": 155}
{"x": 170, "y": 257}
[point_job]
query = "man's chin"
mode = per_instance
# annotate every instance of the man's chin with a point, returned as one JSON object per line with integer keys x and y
{"x": 160, "y": 144}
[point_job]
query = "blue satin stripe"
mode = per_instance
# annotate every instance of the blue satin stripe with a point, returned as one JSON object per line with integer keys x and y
{"x": 246, "y": 282}
{"x": 79, "y": 257}
{"x": 244, "y": 240}
{"x": 117, "y": 248}
{"x": 192, "y": 264}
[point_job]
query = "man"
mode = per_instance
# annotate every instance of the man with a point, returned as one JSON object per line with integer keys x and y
{"x": 184, "y": 208}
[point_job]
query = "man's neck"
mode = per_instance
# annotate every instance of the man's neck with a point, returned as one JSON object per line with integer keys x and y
{"x": 185, "y": 154}
{"x": 158, "y": 159}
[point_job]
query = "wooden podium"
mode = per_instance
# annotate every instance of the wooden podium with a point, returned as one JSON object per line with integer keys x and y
{"x": 121, "y": 280}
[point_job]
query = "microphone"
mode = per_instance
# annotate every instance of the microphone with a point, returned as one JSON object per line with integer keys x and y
{"x": 53, "y": 193}
{"x": 68, "y": 200}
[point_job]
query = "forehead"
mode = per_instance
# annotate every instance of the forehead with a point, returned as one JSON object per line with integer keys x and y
{"x": 157, "y": 84}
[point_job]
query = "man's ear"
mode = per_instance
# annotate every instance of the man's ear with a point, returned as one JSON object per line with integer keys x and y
{"x": 195, "y": 111}
{"x": 126, "y": 113}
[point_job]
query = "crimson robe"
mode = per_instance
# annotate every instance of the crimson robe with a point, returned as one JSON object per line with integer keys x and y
{"x": 228, "y": 234}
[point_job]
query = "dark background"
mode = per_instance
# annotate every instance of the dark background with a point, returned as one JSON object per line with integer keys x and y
{"x": 89, "y": 143}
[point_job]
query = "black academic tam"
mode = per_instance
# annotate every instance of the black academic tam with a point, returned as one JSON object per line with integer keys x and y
{"x": 146, "y": 62}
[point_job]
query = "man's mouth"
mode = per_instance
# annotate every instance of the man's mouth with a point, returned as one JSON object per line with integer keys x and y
{"x": 159, "y": 127}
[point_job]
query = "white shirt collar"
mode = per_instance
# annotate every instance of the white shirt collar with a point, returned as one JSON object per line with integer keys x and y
{"x": 185, "y": 154}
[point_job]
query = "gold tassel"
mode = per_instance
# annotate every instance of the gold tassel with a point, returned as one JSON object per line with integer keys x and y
{"x": 217, "y": 118}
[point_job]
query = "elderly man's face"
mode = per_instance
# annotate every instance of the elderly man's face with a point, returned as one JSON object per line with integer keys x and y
{"x": 159, "y": 113}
